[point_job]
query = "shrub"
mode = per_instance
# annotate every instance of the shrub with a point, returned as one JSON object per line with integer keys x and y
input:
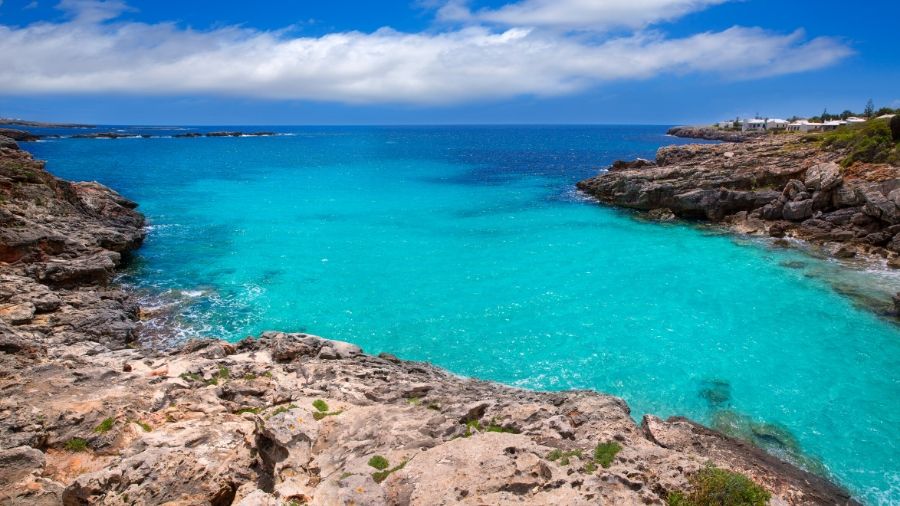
{"x": 605, "y": 453}
{"x": 866, "y": 142}
{"x": 712, "y": 486}
{"x": 320, "y": 405}
{"x": 895, "y": 128}
{"x": 76, "y": 445}
{"x": 379, "y": 462}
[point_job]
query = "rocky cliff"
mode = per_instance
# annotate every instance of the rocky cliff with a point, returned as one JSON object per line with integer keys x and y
{"x": 781, "y": 185}
{"x": 89, "y": 416}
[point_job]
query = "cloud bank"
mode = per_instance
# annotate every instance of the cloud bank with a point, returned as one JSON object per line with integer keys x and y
{"x": 580, "y": 14}
{"x": 92, "y": 53}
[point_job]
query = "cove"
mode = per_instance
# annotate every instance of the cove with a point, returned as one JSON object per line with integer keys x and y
{"x": 468, "y": 247}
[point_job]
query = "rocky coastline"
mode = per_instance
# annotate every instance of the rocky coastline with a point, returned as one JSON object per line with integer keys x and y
{"x": 90, "y": 415}
{"x": 712, "y": 134}
{"x": 780, "y": 186}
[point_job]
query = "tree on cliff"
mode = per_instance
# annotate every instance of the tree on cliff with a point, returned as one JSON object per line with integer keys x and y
{"x": 870, "y": 109}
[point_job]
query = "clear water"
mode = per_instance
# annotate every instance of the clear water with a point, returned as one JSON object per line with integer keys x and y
{"x": 467, "y": 247}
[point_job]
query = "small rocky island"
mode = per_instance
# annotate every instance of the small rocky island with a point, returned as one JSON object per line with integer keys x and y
{"x": 90, "y": 414}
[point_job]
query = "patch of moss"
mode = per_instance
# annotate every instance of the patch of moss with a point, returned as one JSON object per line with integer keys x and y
{"x": 590, "y": 466}
{"x": 144, "y": 425}
{"x": 320, "y": 405}
{"x": 414, "y": 401}
{"x": 249, "y": 376}
{"x": 105, "y": 426}
{"x": 344, "y": 476}
{"x": 224, "y": 373}
{"x": 712, "y": 486}
{"x": 76, "y": 445}
{"x": 248, "y": 409}
{"x": 605, "y": 453}
{"x": 379, "y": 462}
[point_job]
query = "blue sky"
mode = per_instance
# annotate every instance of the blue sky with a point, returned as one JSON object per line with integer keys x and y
{"x": 442, "y": 61}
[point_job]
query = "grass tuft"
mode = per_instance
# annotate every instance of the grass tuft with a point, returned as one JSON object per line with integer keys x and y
{"x": 76, "y": 445}
{"x": 320, "y": 405}
{"x": 712, "y": 486}
{"x": 379, "y": 462}
{"x": 605, "y": 453}
{"x": 380, "y": 476}
{"x": 105, "y": 426}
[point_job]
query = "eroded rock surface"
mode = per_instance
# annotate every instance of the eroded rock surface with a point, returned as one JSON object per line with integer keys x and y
{"x": 88, "y": 416}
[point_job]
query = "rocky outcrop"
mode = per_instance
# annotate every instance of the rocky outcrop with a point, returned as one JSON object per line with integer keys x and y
{"x": 88, "y": 416}
{"x": 712, "y": 133}
{"x": 776, "y": 185}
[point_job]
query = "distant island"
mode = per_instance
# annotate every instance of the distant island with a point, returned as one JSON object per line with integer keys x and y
{"x": 41, "y": 124}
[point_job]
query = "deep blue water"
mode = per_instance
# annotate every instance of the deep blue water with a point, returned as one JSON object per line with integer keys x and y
{"x": 468, "y": 247}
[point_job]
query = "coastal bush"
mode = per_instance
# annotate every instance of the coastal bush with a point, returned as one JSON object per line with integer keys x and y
{"x": 76, "y": 445}
{"x": 379, "y": 462}
{"x": 605, "y": 453}
{"x": 895, "y": 128}
{"x": 105, "y": 425}
{"x": 712, "y": 486}
{"x": 870, "y": 142}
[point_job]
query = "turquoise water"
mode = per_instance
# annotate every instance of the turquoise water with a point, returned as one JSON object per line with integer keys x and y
{"x": 467, "y": 247}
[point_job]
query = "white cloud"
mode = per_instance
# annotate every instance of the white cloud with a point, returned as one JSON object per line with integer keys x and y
{"x": 90, "y": 55}
{"x": 580, "y": 14}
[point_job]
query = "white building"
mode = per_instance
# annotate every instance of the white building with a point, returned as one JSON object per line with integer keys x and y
{"x": 776, "y": 124}
{"x": 753, "y": 125}
{"x": 725, "y": 124}
{"x": 831, "y": 125}
{"x": 804, "y": 126}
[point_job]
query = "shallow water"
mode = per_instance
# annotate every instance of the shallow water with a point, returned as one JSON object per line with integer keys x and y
{"x": 467, "y": 247}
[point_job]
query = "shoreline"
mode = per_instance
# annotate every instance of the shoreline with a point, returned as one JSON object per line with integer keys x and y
{"x": 90, "y": 416}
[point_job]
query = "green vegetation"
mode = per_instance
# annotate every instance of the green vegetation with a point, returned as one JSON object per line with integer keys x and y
{"x": 472, "y": 425}
{"x": 493, "y": 427}
{"x": 105, "y": 425}
{"x": 563, "y": 456}
{"x": 248, "y": 409}
{"x": 144, "y": 425}
{"x": 281, "y": 409}
{"x": 318, "y": 415}
{"x": 222, "y": 374}
{"x": 76, "y": 445}
{"x": 605, "y": 453}
{"x": 895, "y": 128}
{"x": 190, "y": 376}
{"x": 865, "y": 142}
{"x": 380, "y": 476}
{"x": 413, "y": 401}
{"x": 344, "y": 476}
{"x": 249, "y": 376}
{"x": 712, "y": 486}
{"x": 379, "y": 462}
{"x": 322, "y": 410}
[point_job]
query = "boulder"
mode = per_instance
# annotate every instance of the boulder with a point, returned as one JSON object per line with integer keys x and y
{"x": 823, "y": 177}
{"x": 797, "y": 211}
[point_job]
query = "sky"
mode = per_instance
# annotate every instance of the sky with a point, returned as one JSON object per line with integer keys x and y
{"x": 301, "y": 62}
